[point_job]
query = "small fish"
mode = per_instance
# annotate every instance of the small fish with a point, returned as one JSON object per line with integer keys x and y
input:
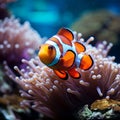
{"x": 64, "y": 55}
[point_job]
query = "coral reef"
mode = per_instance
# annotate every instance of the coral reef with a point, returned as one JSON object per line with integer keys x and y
{"x": 87, "y": 114}
{"x": 102, "y": 24}
{"x": 105, "y": 104}
{"x": 96, "y": 95}
{"x": 17, "y": 41}
{"x": 58, "y": 99}
{"x": 10, "y": 109}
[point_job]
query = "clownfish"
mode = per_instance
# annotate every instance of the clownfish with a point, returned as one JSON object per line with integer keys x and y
{"x": 64, "y": 55}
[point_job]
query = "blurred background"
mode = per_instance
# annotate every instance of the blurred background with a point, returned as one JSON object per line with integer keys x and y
{"x": 99, "y": 18}
{"x": 47, "y": 16}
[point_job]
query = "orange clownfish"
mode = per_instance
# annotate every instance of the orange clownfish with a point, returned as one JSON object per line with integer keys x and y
{"x": 64, "y": 55}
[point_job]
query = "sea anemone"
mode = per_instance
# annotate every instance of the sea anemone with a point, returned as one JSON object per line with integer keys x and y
{"x": 58, "y": 99}
{"x": 17, "y": 41}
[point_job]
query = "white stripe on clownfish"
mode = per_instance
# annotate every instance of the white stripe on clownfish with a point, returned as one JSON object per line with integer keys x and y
{"x": 78, "y": 59}
{"x": 68, "y": 47}
{"x": 65, "y": 46}
{"x": 65, "y": 49}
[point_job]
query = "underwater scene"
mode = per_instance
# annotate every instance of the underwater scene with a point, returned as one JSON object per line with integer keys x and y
{"x": 59, "y": 60}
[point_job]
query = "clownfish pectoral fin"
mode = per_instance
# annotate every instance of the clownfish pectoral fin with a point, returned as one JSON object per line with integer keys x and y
{"x": 68, "y": 59}
{"x": 86, "y": 62}
{"x": 79, "y": 47}
{"x": 74, "y": 74}
{"x": 61, "y": 74}
{"x": 66, "y": 33}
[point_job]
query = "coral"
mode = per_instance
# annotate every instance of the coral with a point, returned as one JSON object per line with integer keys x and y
{"x": 102, "y": 24}
{"x": 4, "y": 86}
{"x": 17, "y": 41}
{"x": 58, "y": 99}
{"x": 105, "y": 104}
{"x": 84, "y": 113}
{"x": 87, "y": 114}
{"x": 12, "y": 101}
{"x": 10, "y": 108}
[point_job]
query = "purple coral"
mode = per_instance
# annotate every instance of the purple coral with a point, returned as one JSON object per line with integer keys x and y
{"x": 58, "y": 99}
{"x": 17, "y": 41}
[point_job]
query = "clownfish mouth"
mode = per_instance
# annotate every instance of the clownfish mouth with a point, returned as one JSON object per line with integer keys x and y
{"x": 47, "y": 53}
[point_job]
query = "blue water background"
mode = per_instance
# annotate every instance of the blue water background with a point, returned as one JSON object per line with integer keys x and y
{"x": 47, "y": 16}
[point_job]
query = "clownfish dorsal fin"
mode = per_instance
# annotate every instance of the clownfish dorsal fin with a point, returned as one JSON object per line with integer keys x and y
{"x": 66, "y": 33}
{"x": 79, "y": 47}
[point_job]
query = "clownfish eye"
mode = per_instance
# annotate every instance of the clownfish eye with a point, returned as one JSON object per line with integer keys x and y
{"x": 40, "y": 47}
{"x": 50, "y": 47}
